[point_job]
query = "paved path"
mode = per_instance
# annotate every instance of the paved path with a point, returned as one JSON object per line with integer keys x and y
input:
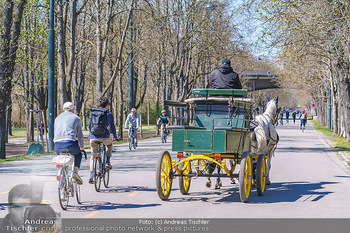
{"x": 308, "y": 181}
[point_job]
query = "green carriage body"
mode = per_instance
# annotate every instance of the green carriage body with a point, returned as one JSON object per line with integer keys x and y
{"x": 218, "y": 127}
{"x": 212, "y": 143}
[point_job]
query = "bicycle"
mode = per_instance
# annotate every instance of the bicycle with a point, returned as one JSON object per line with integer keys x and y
{"x": 302, "y": 126}
{"x": 67, "y": 186}
{"x": 101, "y": 172}
{"x": 131, "y": 137}
{"x": 164, "y": 133}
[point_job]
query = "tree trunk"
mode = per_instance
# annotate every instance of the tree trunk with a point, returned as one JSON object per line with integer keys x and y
{"x": 121, "y": 104}
{"x": 9, "y": 45}
{"x": 99, "y": 63}
{"x": 344, "y": 98}
{"x": 61, "y": 54}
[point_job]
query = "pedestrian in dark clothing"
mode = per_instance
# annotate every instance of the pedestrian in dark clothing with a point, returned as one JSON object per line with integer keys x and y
{"x": 294, "y": 114}
{"x": 224, "y": 77}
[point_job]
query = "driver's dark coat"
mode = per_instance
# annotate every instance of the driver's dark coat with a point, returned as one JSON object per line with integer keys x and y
{"x": 224, "y": 78}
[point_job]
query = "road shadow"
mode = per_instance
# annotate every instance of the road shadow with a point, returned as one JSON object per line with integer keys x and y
{"x": 304, "y": 150}
{"x": 3, "y": 206}
{"x": 284, "y": 192}
{"x": 275, "y": 193}
{"x": 101, "y": 205}
{"x": 127, "y": 189}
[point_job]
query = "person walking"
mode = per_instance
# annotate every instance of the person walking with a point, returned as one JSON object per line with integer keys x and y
{"x": 294, "y": 115}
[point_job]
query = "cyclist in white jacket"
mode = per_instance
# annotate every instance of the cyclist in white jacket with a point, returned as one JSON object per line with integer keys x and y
{"x": 134, "y": 121}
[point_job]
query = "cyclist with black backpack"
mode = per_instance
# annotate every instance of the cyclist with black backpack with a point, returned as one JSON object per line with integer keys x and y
{"x": 100, "y": 122}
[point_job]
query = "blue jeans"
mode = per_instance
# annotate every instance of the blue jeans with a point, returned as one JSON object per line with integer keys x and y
{"x": 133, "y": 131}
{"x": 74, "y": 149}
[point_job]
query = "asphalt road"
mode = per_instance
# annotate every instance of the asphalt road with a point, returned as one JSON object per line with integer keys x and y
{"x": 308, "y": 181}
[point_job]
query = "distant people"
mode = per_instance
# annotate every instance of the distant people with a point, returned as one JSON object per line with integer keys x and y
{"x": 287, "y": 116}
{"x": 224, "y": 77}
{"x": 100, "y": 121}
{"x": 134, "y": 121}
{"x": 303, "y": 118}
{"x": 294, "y": 114}
{"x": 67, "y": 130}
{"x": 163, "y": 119}
{"x": 281, "y": 117}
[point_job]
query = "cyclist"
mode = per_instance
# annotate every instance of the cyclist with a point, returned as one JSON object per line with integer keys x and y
{"x": 294, "y": 114}
{"x": 164, "y": 120}
{"x": 133, "y": 120}
{"x": 303, "y": 119}
{"x": 287, "y": 116}
{"x": 67, "y": 128}
{"x": 100, "y": 121}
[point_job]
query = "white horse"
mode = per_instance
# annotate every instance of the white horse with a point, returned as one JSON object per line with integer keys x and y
{"x": 265, "y": 137}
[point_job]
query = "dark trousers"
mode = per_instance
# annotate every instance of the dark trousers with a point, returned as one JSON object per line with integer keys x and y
{"x": 74, "y": 149}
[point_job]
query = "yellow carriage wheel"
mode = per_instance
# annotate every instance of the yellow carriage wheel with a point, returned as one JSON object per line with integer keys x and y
{"x": 261, "y": 175}
{"x": 245, "y": 177}
{"x": 164, "y": 177}
{"x": 184, "y": 181}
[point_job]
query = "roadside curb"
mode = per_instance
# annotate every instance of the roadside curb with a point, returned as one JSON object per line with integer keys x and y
{"x": 344, "y": 157}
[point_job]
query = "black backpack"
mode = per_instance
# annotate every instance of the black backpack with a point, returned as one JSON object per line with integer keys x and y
{"x": 98, "y": 120}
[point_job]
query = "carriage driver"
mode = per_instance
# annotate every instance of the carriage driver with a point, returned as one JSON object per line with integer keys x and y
{"x": 224, "y": 77}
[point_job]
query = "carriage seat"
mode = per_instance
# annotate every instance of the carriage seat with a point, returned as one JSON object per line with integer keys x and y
{"x": 185, "y": 127}
{"x": 223, "y": 128}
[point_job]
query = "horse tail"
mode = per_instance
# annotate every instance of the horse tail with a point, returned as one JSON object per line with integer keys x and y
{"x": 260, "y": 143}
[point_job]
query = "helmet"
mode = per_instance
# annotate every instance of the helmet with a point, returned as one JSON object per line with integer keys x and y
{"x": 133, "y": 109}
{"x": 163, "y": 111}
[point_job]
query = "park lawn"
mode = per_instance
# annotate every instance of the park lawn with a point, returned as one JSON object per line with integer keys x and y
{"x": 340, "y": 143}
{"x": 21, "y": 157}
{"x": 20, "y": 133}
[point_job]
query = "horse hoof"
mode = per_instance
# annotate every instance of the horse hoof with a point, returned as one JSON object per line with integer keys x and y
{"x": 208, "y": 184}
{"x": 233, "y": 181}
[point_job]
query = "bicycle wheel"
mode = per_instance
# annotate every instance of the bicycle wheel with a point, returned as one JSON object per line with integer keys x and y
{"x": 134, "y": 144}
{"x": 162, "y": 135}
{"x": 130, "y": 140}
{"x": 97, "y": 173}
{"x": 165, "y": 135}
{"x": 63, "y": 195}
{"x": 105, "y": 170}
{"x": 77, "y": 192}
{"x": 303, "y": 128}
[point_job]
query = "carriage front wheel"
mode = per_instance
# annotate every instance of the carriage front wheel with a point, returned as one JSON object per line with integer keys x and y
{"x": 164, "y": 177}
{"x": 261, "y": 175}
{"x": 245, "y": 177}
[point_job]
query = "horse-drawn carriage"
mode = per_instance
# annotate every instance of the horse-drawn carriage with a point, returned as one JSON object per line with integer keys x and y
{"x": 215, "y": 138}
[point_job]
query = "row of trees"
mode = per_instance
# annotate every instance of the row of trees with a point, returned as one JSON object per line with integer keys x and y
{"x": 176, "y": 44}
{"x": 312, "y": 40}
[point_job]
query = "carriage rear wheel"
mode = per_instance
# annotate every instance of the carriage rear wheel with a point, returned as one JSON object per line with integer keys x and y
{"x": 245, "y": 177}
{"x": 185, "y": 181}
{"x": 261, "y": 175}
{"x": 164, "y": 177}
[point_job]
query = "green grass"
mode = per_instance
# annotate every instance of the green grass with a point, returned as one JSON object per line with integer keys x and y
{"x": 20, "y": 133}
{"x": 340, "y": 143}
{"x": 21, "y": 157}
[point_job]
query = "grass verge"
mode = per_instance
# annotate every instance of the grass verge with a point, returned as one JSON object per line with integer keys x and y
{"x": 21, "y": 157}
{"x": 341, "y": 143}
